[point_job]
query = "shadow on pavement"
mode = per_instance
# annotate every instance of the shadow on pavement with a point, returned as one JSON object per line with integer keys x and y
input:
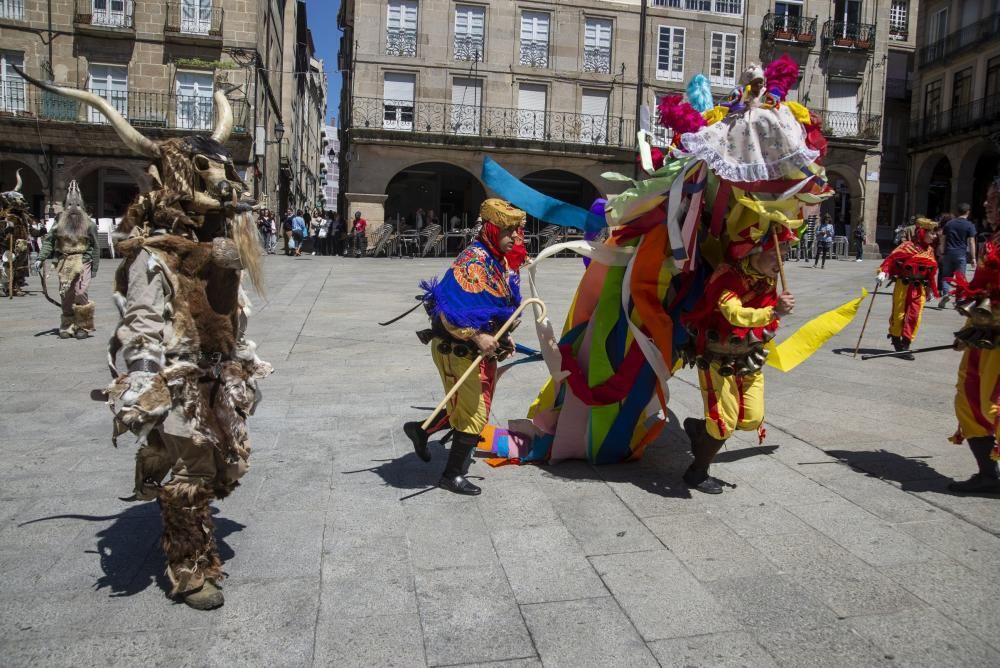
{"x": 861, "y": 351}
{"x": 129, "y": 548}
{"x": 912, "y": 473}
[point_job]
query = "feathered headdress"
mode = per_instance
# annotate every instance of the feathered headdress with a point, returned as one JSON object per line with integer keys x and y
{"x": 781, "y": 75}
{"x": 699, "y": 93}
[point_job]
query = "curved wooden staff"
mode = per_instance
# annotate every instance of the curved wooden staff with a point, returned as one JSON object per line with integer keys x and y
{"x": 867, "y": 315}
{"x": 475, "y": 363}
{"x": 45, "y": 288}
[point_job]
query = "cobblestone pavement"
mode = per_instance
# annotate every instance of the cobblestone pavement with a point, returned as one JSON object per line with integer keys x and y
{"x": 839, "y": 546}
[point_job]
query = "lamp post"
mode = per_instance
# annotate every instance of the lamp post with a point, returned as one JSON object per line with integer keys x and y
{"x": 279, "y": 132}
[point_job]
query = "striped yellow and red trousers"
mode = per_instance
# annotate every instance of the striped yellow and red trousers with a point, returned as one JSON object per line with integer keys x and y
{"x": 469, "y": 408}
{"x": 907, "y": 308}
{"x": 731, "y": 402}
{"x": 978, "y": 393}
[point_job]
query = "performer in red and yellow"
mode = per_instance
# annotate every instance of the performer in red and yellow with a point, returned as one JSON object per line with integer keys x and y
{"x": 914, "y": 269}
{"x": 738, "y": 313}
{"x": 978, "y": 388}
{"x": 471, "y": 302}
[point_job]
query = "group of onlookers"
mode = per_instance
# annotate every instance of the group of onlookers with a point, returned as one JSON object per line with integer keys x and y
{"x": 313, "y": 233}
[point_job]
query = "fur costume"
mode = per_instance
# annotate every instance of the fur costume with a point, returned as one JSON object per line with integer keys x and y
{"x": 15, "y": 232}
{"x": 191, "y": 380}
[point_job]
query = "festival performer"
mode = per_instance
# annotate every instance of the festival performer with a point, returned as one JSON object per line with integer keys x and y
{"x": 735, "y": 171}
{"x": 474, "y": 298}
{"x": 191, "y": 374}
{"x": 913, "y": 266}
{"x": 73, "y": 240}
{"x": 15, "y": 235}
{"x": 976, "y": 399}
{"x": 738, "y": 313}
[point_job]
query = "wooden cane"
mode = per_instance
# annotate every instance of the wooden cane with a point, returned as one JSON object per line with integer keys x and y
{"x": 475, "y": 364}
{"x": 865, "y": 324}
{"x": 781, "y": 262}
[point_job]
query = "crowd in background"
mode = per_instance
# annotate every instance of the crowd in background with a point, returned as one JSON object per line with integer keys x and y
{"x": 315, "y": 232}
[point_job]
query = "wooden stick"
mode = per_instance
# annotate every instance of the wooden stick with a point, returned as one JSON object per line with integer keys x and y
{"x": 781, "y": 262}
{"x": 863, "y": 326}
{"x": 475, "y": 364}
{"x": 915, "y": 351}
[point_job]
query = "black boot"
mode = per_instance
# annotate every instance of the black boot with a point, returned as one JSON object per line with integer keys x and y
{"x": 704, "y": 448}
{"x": 418, "y": 437}
{"x": 904, "y": 344}
{"x": 897, "y": 343}
{"x": 453, "y": 478}
{"x": 986, "y": 481}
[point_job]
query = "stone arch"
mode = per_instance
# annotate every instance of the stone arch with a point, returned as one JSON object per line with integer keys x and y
{"x": 976, "y": 170}
{"x": 32, "y": 179}
{"x": 450, "y": 190}
{"x": 108, "y": 188}
{"x": 564, "y": 185}
{"x": 846, "y": 207}
{"x": 135, "y": 169}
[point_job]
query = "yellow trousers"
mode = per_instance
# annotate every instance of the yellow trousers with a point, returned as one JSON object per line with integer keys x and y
{"x": 731, "y": 402}
{"x": 907, "y": 309}
{"x": 469, "y": 408}
{"x": 978, "y": 392}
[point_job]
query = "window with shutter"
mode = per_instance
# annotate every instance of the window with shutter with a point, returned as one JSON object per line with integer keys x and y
{"x": 470, "y": 30}
{"x": 535, "y": 39}
{"x": 594, "y": 116}
{"x": 597, "y": 45}
{"x": 12, "y": 89}
{"x": 466, "y": 101}
{"x": 842, "y": 108}
{"x": 401, "y": 28}
{"x": 531, "y": 111}
{"x": 111, "y": 83}
{"x": 397, "y": 101}
{"x": 723, "y": 64}
{"x": 194, "y": 101}
{"x": 670, "y": 54}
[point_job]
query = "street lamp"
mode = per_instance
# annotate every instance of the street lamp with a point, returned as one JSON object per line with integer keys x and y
{"x": 279, "y": 132}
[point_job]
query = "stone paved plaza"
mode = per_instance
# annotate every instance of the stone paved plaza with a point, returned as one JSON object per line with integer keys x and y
{"x": 838, "y": 547}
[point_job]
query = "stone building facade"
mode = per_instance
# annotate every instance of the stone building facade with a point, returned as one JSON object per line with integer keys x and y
{"x": 549, "y": 88}
{"x": 330, "y": 168}
{"x": 157, "y": 63}
{"x": 956, "y": 106}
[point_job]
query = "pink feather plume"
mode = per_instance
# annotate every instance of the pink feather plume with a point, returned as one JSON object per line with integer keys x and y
{"x": 781, "y": 75}
{"x": 679, "y": 116}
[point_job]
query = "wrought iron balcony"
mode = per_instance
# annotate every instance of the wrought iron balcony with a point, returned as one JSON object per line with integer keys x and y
{"x": 963, "y": 39}
{"x": 480, "y": 124}
{"x": 12, "y": 10}
{"x": 854, "y": 36}
{"x": 597, "y": 59}
{"x": 949, "y": 123}
{"x": 470, "y": 48}
{"x": 194, "y": 19}
{"x": 143, "y": 109}
{"x": 786, "y": 29}
{"x": 847, "y": 125}
{"x": 534, "y": 53}
{"x": 114, "y": 15}
{"x": 400, "y": 42}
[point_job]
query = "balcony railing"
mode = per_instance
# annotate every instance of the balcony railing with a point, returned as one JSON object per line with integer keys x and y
{"x": 143, "y": 109}
{"x": 792, "y": 29}
{"x": 443, "y": 118}
{"x": 858, "y": 36}
{"x": 848, "y": 125}
{"x": 198, "y": 18}
{"x": 12, "y": 10}
{"x": 469, "y": 48}
{"x": 963, "y": 39}
{"x": 534, "y": 53}
{"x": 112, "y": 14}
{"x": 400, "y": 42}
{"x": 597, "y": 59}
{"x": 962, "y": 118}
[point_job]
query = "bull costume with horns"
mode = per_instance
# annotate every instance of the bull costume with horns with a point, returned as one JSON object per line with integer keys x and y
{"x": 15, "y": 232}
{"x": 191, "y": 378}
{"x": 73, "y": 241}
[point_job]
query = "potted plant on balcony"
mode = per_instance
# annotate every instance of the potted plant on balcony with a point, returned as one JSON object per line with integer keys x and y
{"x": 863, "y": 42}
{"x": 847, "y": 42}
{"x": 784, "y": 33}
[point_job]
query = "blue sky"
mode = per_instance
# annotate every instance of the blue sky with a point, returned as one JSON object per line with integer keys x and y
{"x": 322, "y": 17}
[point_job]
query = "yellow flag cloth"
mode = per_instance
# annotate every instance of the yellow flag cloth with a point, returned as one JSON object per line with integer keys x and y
{"x": 811, "y": 336}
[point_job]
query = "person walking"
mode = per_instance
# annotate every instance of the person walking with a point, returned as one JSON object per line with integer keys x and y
{"x": 824, "y": 239}
{"x": 957, "y": 246}
{"x": 286, "y": 232}
{"x": 299, "y": 231}
{"x": 359, "y": 237}
{"x": 860, "y": 239}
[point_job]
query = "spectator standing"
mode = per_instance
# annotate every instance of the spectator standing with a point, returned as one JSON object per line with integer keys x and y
{"x": 272, "y": 239}
{"x": 824, "y": 239}
{"x": 299, "y": 231}
{"x": 957, "y": 246}
{"x": 359, "y": 237}
{"x": 317, "y": 227}
{"x": 336, "y": 234}
{"x": 286, "y": 231}
{"x": 263, "y": 229}
{"x": 860, "y": 239}
{"x": 418, "y": 220}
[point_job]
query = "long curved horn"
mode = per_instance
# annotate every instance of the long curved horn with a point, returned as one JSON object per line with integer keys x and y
{"x": 223, "y": 117}
{"x": 19, "y": 183}
{"x": 132, "y": 137}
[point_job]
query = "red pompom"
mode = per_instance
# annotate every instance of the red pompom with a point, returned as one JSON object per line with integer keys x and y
{"x": 679, "y": 116}
{"x": 781, "y": 75}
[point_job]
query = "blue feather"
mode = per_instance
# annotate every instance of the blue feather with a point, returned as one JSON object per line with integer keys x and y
{"x": 699, "y": 93}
